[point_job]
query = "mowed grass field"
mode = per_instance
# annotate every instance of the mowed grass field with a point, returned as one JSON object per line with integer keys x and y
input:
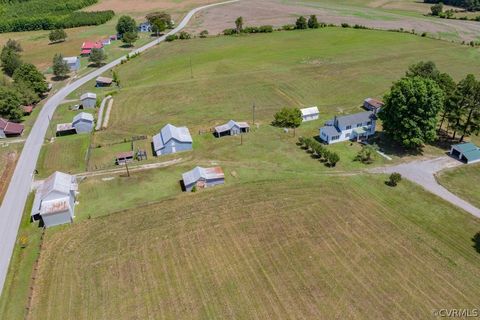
{"x": 332, "y": 68}
{"x": 463, "y": 181}
{"x": 337, "y": 247}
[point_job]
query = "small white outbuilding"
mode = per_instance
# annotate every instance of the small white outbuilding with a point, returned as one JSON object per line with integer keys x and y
{"x": 55, "y": 200}
{"x": 309, "y": 114}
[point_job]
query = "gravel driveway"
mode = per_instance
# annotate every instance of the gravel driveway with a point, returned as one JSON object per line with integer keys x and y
{"x": 423, "y": 173}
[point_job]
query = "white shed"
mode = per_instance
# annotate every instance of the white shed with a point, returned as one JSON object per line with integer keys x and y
{"x": 73, "y": 63}
{"x": 89, "y": 100}
{"x": 309, "y": 114}
{"x": 55, "y": 200}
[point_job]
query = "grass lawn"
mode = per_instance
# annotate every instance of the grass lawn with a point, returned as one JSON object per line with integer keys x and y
{"x": 67, "y": 154}
{"x": 16, "y": 290}
{"x": 305, "y": 247}
{"x": 463, "y": 181}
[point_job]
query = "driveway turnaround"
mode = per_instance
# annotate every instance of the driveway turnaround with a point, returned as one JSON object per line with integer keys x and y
{"x": 423, "y": 173}
{"x": 19, "y": 187}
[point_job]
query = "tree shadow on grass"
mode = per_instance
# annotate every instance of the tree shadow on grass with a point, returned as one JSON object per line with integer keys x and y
{"x": 476, "y": 242}
{"x": 60, "y": 78}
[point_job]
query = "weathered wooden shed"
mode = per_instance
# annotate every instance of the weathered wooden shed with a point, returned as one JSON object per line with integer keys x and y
{"x": 203, "y": 178}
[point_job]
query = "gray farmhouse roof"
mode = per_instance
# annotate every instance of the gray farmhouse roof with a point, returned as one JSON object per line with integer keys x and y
{"x": 330, "y": 131}
{"x": 206, "y": 173}
{"x": 181, "y": 134}
{"x": 230, "y": 124}
{"x": 83, "y": 116}
{"x": 88, "y": 95}
{"x": 353, "y": 119}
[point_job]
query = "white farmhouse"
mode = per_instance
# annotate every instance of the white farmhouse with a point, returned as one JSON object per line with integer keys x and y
{"x": 55, "y": 200}
{"x": 356, "y": 126}
{"x": 73, "y": 63}
{"x": 309, "y": 114}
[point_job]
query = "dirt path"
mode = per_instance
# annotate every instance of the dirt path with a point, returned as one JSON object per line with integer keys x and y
{"x": 107, "y": 114}
{"x": 122, "y": 169}
{"x": 423, "y": 173}
{"x": 100, "y": 113}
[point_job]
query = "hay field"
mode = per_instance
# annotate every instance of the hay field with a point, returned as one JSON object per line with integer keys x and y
{"x": 339, "y": 247}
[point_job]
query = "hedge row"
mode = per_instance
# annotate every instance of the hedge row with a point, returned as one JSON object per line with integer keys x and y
{"x": 72, "y": 20}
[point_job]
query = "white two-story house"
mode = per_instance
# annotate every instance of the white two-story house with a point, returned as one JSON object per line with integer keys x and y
{"x": 356, "y": 126}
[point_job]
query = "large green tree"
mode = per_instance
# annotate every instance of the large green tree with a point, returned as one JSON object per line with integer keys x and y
{"x": 29, "y": 75}
{"x": 57, "y": 35}
{"x": 469, "y": 107}
{"x": 288, "y": 118}
{"x": 126, "y": 24}
{"x": 97, "y": 56}
{"x": 129, "y": 38}
{"x": 160, "y": 16}
{"x": 10, "y": 103}
{"x": 60, "y": 66}
{"x": 10, "y": 61}
{"x": 411, "y": 109}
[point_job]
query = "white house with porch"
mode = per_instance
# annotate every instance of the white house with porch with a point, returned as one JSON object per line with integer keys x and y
{"x": 358, "y": 126}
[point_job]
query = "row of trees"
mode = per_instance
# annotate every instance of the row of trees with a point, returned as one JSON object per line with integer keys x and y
{"x": 321, "y": 152}
{"x": 303, "y": 23}
{"x": 28, "y": 84}
{"x": 73, "y": 20}
{"x": 470, "y": 5}
{"x": 426, "y": 101}
{"x": 239, "y": 28}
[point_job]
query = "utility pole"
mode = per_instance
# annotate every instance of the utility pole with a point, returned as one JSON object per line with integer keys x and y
{"x": 50, "y": 125}
{"x": 253, "y": 111}
{"x": 126, "y": 166}
{"x": 241, "y": 138}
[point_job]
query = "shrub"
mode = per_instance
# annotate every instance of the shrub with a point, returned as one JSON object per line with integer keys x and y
{"x": 394, "y": 179}
{"x": 184, "y": 35}
{"x": 288, "y": 27}
{"x": 204, "y": 34}
{"x": 345, "y": 25}
{"x": 57, "y": 35}
{"x": 265, "y": 29}
{"x": 229, "y": 32}
{"x": 332, "y": 159}
{"x": 171, "y": 38}
{"x": 424, "y": 34}
{"x": 313, "y": 22}
{"x": 367, "y": 155}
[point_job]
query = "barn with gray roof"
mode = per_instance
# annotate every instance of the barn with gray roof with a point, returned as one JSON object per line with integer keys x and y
{"x": 172, "y": 139}
{"x": 203, "y": 178}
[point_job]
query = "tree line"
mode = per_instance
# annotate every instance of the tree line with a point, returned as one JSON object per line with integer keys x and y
{"x": 426, "y": 102}
{"x": 72, "y": 20}
{"x": 26, "y": 86}
{"x": 470, "y": 5}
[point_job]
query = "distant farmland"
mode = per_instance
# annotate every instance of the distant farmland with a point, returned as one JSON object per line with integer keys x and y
{"x": 324, "y": 248}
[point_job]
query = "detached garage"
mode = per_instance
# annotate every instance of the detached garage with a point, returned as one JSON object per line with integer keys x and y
{"x": 467, "y": 152}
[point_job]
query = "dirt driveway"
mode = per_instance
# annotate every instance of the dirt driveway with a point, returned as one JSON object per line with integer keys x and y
{"x": 281, "y": 12}
{"x": 423, "y": 173}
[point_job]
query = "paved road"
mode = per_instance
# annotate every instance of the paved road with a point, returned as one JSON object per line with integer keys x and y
{"x": 19, "y": 187}
{"x": 423, "y": 173}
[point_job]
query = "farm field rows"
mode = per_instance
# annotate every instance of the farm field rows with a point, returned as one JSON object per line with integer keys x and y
{"x": 309, "y": 247}
{"x": 386, "y": 15}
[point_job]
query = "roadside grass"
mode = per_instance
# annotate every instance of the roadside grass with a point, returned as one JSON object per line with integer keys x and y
{"x": 463, "y": 181}
{"x": 14, "y": 298}
{"x": 307, "y": 247}
{"x": 67, "y": 154}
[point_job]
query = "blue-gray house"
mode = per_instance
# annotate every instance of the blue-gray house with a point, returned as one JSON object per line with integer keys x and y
{"x": 203, "y": 178}
{"x": 83, "y": 122}
{"x": 172, "y": 139}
